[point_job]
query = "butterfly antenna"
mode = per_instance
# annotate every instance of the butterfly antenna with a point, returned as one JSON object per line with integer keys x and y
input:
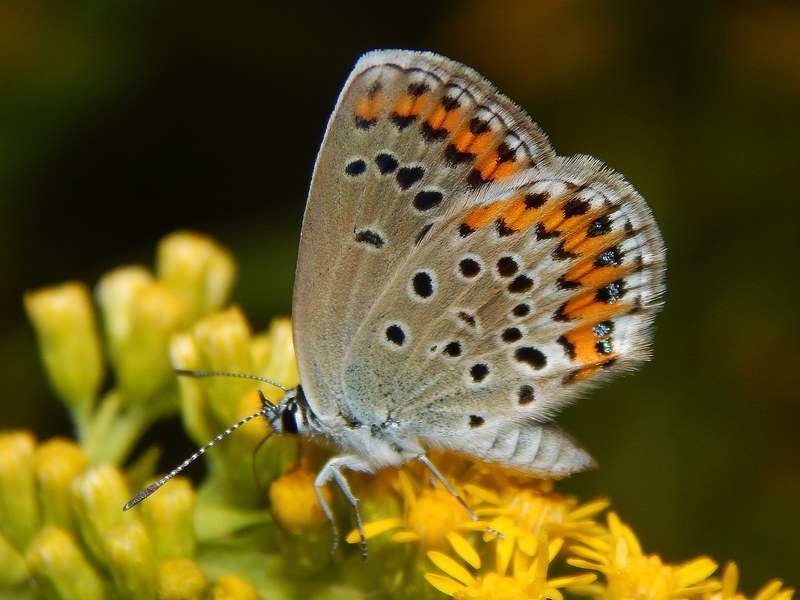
{"x": 267, "y": 406}
{"x": 190, "y": 373}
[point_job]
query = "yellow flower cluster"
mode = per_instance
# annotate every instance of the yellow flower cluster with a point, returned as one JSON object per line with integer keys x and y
{"x": 253, "y": 529}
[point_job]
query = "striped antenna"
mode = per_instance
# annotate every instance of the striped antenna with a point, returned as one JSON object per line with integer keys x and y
{"x": 267, "y": 408}
{"x": 190, "y": 373}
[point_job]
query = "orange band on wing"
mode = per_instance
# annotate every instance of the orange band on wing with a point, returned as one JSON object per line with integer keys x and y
{"x": 410, "y": 105}
{"x": 583, "y": 344}
{"x": 492, "y": 169}
{"x": 586, "y": 307}
{"x": 597, "y": 277}
{"x": 369, "y": 108}
{"x": 441, "y": 119}
{"x": 481, "y": 215}
{"x": 466, "y": 141}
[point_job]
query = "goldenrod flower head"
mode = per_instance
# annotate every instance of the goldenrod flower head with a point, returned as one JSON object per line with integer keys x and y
{"x": 294, "y": 503}
{"x": 142, "y": 365}
{"x": 630, "y": 573}
{"x": 64, "y": 321}
{"x": 117, "y": 294}
{"x": 181, "y": 579}
{"x": 231, "y": 587}
{"x": 96, "y": 496}
{"x": 431, "y": 514}
{"x": 198, "y": 270}
{"x": 19, "y": 508}
{"x": 772, "y": 590}
{"x": 60, "y": 568}
{"x": 14, "y": 572}
{"x": 58, "y": 462}
{"x": 129, "y": 556}
{"x": 528, "y": 507}
{"x": 168, "y": 517}
{"x": 527, "y": 577}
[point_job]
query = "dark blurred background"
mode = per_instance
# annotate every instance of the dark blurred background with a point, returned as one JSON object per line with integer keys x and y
{"x": 121, "y": 122}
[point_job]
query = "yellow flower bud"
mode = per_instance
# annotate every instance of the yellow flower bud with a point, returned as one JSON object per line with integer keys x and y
{"x": 273, "y": 353}
{"x": 58, "y": 462}
{"x": 184, "y": 354}
{"x": 130, "y": 558}
{"x": 19, "y": 506}
{"x": 181, "y": 579}
{"x": 294, "y": 502}
{"x": 198, "y": 270}
{"x": 116, "y": 294}
{"x": 223, "y": 340}
{"x": 233, "y": 587}
{"x": 64, "y": 321}
{"x": 59, "y": 567}
{"x": 14, "y": 571}
{"x": 168, "y": 516}
{"x": 97, "y": 500}
{"x": 142, "y": 363}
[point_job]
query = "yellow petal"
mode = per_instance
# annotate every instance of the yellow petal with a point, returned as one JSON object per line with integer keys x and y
{"x": 451, "y": 567}
{"x": 730, "y": 580}
{"x": 554, "y": 547}
{"x": 480, "y": 494}
{"x": 504, "y": 550}
{"x": 464, "y": 550}
{"x": 696, "y": 570}
{"x": 443, "y": 584}
{"x": 571, "y": 580}
{"x": 589, "y": 554}
{"x": 372, "y": 529}
{"x": 769, "y": 590}
{"x": 589, "y": 510}
{"x": 585, "y": 564}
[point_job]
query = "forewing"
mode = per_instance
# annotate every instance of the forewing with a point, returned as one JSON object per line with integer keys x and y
{"x": 411, "y": 135}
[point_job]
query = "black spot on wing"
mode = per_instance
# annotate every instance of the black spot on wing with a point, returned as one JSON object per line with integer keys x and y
{"x": 372, "y": 238}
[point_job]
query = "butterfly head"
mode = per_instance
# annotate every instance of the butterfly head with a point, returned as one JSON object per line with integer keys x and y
{"x": 290, "y": 415}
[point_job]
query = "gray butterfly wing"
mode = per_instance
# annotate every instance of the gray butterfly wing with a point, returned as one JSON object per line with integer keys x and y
{"x": 466, "y": 281}
{"x": 367, "y": 204}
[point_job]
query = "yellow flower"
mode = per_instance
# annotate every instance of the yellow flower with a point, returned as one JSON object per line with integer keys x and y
{"x": 230, "y": 587}
{"x": 181, "y": 579}
{"x": 60, "y": 568}
{"x": 198, "y": 270}
{"x": 294, "y": 502}
{"x": 772, "y": 590}
{"x": 630, "y": 573}
{"x": 19, "y": 509}
{"x": 526, "y": 579}
{"x": 425, "y": 514}
{"x": 526, "y": 507}
{"x": 65, "y": 326}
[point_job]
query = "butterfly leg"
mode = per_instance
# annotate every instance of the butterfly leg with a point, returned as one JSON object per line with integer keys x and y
{"x": 332, "y": 471}
{"x": 452, "y": 491}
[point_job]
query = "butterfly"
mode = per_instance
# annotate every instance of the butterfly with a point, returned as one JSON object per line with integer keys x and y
{"x": 457, "y": 282}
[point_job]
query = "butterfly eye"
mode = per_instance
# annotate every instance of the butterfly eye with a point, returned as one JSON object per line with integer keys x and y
{"x": 288, "y": 421}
